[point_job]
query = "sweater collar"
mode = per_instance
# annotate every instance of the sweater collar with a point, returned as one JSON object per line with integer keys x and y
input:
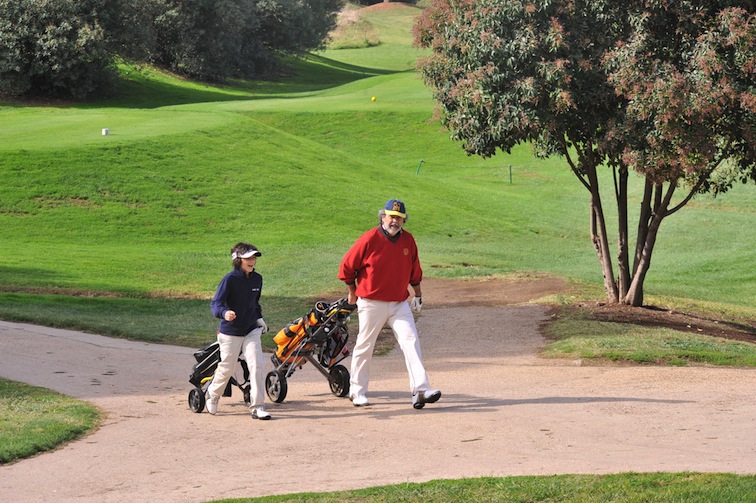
{"x": 391, "y": 238}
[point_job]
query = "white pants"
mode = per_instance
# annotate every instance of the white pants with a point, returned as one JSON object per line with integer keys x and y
{"x": 373, "y": 315}
{"x": 230, "y": 348}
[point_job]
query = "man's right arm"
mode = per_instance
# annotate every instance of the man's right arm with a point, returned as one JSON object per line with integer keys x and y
{"x": 350, "y": 265}
{"x": 352, "y": 297}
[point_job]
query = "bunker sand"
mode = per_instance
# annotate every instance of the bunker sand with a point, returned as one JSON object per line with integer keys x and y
{"x": 504, "y": 411}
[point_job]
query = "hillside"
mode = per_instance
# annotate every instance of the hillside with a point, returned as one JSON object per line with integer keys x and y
{"x": 299, "y": 166}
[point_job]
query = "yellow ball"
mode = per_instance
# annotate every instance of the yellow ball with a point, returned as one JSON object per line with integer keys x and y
{"x": 372, "y": 99}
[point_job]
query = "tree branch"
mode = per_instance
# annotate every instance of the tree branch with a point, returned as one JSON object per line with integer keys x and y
{"x": 565, "y": 149}
{"x": 694, "y": 190}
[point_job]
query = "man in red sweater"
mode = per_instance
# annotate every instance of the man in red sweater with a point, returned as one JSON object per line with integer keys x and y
{"x": 377, "y": 270}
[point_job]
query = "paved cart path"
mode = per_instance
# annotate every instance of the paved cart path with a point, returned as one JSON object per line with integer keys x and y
{"x": 504, "y": 411}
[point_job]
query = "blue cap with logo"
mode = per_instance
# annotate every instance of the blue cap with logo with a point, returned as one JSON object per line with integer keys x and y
{"x": 395, "y": 208}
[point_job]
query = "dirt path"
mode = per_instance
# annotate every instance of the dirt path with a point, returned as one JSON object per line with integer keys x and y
{"x": 505, "y": 411}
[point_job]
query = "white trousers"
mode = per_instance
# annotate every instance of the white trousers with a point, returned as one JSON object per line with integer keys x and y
{"x": 230, "y": 348}
{"x": 373, "y": 315}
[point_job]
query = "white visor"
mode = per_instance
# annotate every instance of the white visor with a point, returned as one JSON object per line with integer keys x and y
{"x": 246, "y": 254}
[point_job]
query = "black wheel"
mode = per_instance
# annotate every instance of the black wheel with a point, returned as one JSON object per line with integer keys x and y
{"x": 197, "y": 400}
{"x": 339, "y": 380}
{"x": 275, "y": 386}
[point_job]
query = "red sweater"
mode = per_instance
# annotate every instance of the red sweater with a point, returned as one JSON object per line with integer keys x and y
{"x": 381, "y": 267}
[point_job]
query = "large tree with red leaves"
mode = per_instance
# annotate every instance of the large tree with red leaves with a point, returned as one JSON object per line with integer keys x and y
{"x": 665, "y": 88}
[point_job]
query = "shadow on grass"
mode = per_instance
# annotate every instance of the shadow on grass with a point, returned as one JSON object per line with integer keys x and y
{"x": 140, "y": 86}
{"x": 143, "y": 87}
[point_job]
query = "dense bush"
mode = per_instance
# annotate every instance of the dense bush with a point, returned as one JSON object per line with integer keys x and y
{"x": 54, "y": 47}
{"x": 215, "y": 39}
{"x": 297, "y": 25}
{"x": 207, "y": 39}
{"x": 68, "y": 47}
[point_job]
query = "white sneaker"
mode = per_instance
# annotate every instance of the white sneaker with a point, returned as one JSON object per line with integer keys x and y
{"x": 420, "y": 398}
{"x": 260, "y": 413}
{"x": 212, "y": 404}
{"x": 359, "y": 400}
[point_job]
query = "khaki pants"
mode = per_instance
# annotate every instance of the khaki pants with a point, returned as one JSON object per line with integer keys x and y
{"x": 373, "y": 315}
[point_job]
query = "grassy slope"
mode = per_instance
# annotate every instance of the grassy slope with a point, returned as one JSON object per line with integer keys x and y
{"x": 151, "y": 209}
{"x": 299, "y": 168}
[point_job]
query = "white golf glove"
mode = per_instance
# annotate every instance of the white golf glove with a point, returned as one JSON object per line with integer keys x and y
{"x": 261, "y": 323}
{"x": 417, "y": 304}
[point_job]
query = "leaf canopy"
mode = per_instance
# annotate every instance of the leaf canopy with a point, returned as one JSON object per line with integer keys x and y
{"x": 666, "y": 88}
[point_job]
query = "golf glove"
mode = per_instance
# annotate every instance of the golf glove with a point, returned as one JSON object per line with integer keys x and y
{"x": 261, "y": 323}
{"x": 417, "y": 304}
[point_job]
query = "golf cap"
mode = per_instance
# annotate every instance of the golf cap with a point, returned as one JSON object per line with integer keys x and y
{"x": 395, "y": 208}
{"x": 252, "y": 252}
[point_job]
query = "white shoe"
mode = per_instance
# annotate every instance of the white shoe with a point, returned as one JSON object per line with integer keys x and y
{"x": 420, "y": 398}
{"x": 359, "y": 400}
{"x": 212, "y": 404}
{"x": 260, "y": 413}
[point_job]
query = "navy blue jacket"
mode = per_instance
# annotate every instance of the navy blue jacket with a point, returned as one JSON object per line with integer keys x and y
{"x": 240, "y": 294}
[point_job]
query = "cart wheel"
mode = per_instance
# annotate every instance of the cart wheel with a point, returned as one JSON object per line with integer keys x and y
{"x": 339, "y": 380}
{"x": 197, "y": 400}
{"x": 275, "y": 386}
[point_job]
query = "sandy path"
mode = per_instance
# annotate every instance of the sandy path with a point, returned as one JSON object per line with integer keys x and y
{"x": 504, "y": 412}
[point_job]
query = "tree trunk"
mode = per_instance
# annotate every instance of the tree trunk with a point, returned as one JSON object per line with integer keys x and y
{"x": 634, "y": 295}
{"x": 599, "y": 236}
{"x": 651, "y": 219}
{"x": 643, "y": 221}
{"x": 623, "y": 259}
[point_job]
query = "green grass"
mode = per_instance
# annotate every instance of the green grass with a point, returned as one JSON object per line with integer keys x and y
{"x": 141, "y": 221}
{"x": 353, "y": 31}
{"x": 583, "y": 339}
{"x": 394, "y": 50}
{"x": 626, "y": 488}
{"x": 298, "y": 166}
{"x": 139, "y": 224}
{"x": 34, "y": 420}
{"x": 183, "y": 322}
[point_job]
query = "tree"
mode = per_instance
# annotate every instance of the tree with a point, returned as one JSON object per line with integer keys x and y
{"x": 217, "y": 39}
{"x": 57, "y": 48}
{"x": 297, "y": 26}
{"x": 666, "y": 89}
{"x": 207, "y": 39}
{"x": 70, "y": 47}
{"x": 131, "y": 28}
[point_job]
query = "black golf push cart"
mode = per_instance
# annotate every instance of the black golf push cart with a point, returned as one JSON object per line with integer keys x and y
{"x": 208, "y": 359}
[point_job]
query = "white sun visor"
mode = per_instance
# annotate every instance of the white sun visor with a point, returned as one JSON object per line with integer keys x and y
{"x": 246, "y": 254}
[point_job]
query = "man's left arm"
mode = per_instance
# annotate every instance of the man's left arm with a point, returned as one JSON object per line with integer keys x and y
{"x": 417, "y": 301}
{"x": 418, "y": 290}
{"x": 416, "y": 276}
